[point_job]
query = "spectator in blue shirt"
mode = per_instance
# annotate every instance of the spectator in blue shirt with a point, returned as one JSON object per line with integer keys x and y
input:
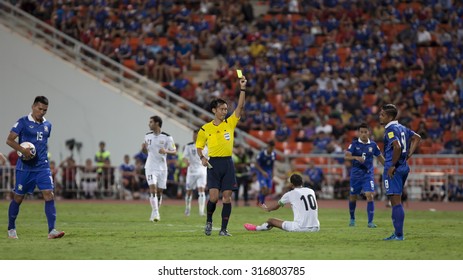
{"x": 282, "y": 133}
{"x": 314, "y": 177}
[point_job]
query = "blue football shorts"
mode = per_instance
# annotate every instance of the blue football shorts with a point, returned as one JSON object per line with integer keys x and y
{"x": 26, "y": 181}
{"x": 395, "y": 184}
{"x": 365, "y": 184}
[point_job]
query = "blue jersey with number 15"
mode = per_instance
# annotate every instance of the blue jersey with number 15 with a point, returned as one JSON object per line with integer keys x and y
{"x": 397, "y": 132}
{"x": 37, "y": 133}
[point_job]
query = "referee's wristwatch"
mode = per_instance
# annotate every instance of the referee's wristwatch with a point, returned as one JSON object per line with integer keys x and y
{"x": 201, "y": 158}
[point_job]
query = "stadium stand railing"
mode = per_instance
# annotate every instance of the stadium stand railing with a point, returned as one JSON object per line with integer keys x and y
{"x": 427, "y": 171}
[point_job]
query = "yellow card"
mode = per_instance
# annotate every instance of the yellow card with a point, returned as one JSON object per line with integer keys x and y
{"x": 239, "y": 73}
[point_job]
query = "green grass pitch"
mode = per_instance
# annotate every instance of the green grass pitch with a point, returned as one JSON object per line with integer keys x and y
{"x": 121, "y": 231}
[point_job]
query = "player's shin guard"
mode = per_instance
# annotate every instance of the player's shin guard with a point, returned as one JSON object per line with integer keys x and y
{"x": 210, "y": 210}
{"x": 370, "y": 211}
{"x": 13, "y": 212}
{"x": 398, "y": 217}
{"x": 50, "y": 212}
{"x": 226, "y": 212}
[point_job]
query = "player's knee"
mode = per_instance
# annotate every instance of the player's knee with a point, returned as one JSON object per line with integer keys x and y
{"x": 18, "y": 198}
{"x": 48, "y": 195}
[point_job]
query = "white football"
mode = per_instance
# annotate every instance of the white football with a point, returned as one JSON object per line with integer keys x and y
{"x": 28, "y": 145}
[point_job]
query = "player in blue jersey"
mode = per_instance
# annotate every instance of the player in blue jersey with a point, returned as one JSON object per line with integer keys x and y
{"x": 264, "y": 165}
{"x": 33, "y": 171}
{"x": 399, "y": 145}
{"x": 361, "y": 152}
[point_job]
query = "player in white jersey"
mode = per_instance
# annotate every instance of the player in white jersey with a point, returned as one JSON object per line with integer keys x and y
{"x": 304, "y": 205}
{"x": 196, "y": 176}
{"x": 158, "y": 144}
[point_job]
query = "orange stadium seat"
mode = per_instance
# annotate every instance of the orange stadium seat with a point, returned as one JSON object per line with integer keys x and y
{"x": 312, "y": 52}
{"x": 116, "y": 42}
{"x": 162, "y": 41}
{"x": 149, "y": 41}
{"x": 343, "y": 54}
{"x": 295, "y": 41}
{"x": 133, "y": 42}
{"x": 129, "y": 63}
{"x": 369, "y": 99}
{"x": 305, "y": 147}
{"x": 211, "y": 20}
{"x": 350, "y": 134}
{"x": 319, "y": 160}
{"x": 320, "y": 40}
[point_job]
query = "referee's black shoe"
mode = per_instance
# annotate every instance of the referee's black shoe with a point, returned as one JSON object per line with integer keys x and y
{"x": 224, "y": 232}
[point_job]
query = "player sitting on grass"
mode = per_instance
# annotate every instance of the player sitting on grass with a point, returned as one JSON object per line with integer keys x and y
{"x": 304, "y": 205}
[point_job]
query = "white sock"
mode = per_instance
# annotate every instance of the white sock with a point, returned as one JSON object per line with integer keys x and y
{"x": 264, "y": 226}
{"x": 201, "y": 202}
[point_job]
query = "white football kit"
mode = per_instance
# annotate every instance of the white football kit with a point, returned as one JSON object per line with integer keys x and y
{"x": 156, "y": 164}
{"x": 305, "y": 209}
{"x": 196, "y": 175}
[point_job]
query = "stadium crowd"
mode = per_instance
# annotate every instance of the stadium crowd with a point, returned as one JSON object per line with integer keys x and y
{"x": 316, "y": 69}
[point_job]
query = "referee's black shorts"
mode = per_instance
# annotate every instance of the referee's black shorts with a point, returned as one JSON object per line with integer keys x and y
{"x": 222, "y": 174}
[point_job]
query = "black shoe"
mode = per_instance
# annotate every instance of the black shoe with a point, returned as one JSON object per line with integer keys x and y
{"x": 208, "y": 228}
{"x": 224, "y": 232}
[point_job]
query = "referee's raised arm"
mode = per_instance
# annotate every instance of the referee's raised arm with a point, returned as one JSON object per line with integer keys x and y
{"x": 242, "y": 97}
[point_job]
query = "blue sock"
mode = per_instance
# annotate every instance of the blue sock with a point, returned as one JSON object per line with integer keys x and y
{"x": 370, "y": 210}
{"x": 352, "y": 206}
{"x": 13, "y": 212}
{"x": 226, "y": 212}
{"x": 210, "y": 210}
{"x": 50, "y": 212}
{"x": 398, "y": 217}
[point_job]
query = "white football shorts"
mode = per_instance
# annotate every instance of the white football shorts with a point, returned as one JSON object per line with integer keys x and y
{"x": 157, "y": 178}
{"x": 196, "y": 180}
{"x": 293, "y": 226}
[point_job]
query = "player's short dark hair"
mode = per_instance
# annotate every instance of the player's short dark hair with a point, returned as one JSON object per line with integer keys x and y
{"x": 271, "y": 143}
{"x": 41, "y": 99}
{"x": 390, "y": 110}
{"x": 363, "y": 125}
{"x": 216, "y": 103}
{"x": 296, "y": 180}
{"x": 157, "y": 119}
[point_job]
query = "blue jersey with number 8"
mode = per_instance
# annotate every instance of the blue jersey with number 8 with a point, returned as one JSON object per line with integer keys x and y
{"x": 397, "y": 132}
